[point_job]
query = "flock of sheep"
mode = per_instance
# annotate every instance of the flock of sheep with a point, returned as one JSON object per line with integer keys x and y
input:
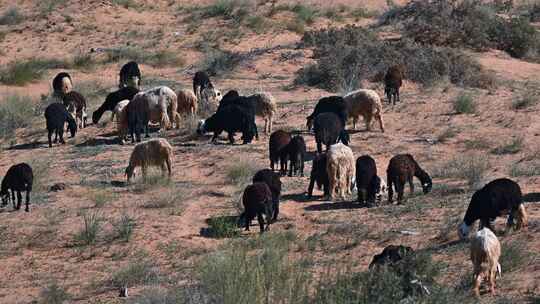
{"x": 335, "y": 169}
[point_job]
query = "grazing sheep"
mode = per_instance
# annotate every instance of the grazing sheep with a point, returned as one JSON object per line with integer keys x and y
{"x": 231, "y": 119}
{"x": 257, "y": 201}
{"x": 231, "y": 94}
{"x": 328, "y": 130}
{"x": 156, "y": 152}
{"x": 112, "y": 100}
{"x": 367, "y": 182}
{"x": 331, "y": 104}
{"x": 276, "y": 147}
{"x": 341, "y": 168}
{"x": 392, "y": 82}
{"x": 156, "y": 105}
{"x": 187, "y": 102}
{"x": 265, "y": 107}
{"x": 56, "y": 116}
{"x": 401, "y": 169}
{"x": 390, "y": 255}
{"x": 76, "y": 106}
{"x": 204, "y": 89}
{"x": 18, "y": 178}
{"x": 319, "y": 175}
{"x": 485, "y": 253}
{"x": 130, "y": 75}
{"x": 366, "y": 103}
{"x": 296, "y": 151}
{"x": 62, "y": 84}
{"x": 120, "y": 111}
{"x": 498, "y": 197}
{"x": 274, "y": 183}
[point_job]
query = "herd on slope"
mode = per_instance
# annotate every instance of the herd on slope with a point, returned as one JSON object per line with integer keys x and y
{"x": 335, "y": 170}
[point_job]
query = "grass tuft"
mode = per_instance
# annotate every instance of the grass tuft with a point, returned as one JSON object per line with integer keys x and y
{"x": 464, "y": 104}
{"x": 53, "y": 294}
{"x": 512, "y": 147}
{"x": 11, "y": 16}
{"x": 88, "y": 234}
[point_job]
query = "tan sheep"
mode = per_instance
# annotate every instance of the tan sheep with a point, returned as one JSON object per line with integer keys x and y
{"x": 120, "y": 111}
{"x": 265, "y": 107}
{"x": 341, "y": 169}
{"x": 485, "y": 253}
{"x": 161, "y": 103}
{"x": 187, "y": 102}
{"x": 366, "y": 103}
{"x": 156, "y": 152}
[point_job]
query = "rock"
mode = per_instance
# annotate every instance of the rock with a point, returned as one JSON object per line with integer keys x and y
{"x": 58, "y": 187}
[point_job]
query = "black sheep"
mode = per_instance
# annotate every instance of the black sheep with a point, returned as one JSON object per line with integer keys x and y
{"x": 329, "y": 129}
{"x": 367, "y": 181}
{"x": 273, "y": 182}
{"x": 296, "y": 151}
{"x": 138, "y": 118}
{"x": 390, "y": 255}
{"x": 497, "y": 198}
{"x": 201, "y": 81}
{"x": 57, "y": 115}
{"x": 319, "y": 175}
{"x": 60, "y": 87}
{"x": 330, "y": 104}
{"x": 230, "y": 95}
{"x": 392, "y": 82}
{"x": 401, "y": 169}
{"x": 130, "y": 72}
{"x": 231, "y": 119}
{"x": 18, "y": 178}
{"x": 112, "y": 100}
{"x": 276, "y": 149}
{"x": 257, "y": 201}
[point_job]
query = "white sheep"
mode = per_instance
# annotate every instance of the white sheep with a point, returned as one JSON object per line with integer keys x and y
{"x": 156, "y": 152}
{"x": 485, "y": 253}
{"x": 187, "y": 102}
{"x": 162, "y": 103}
{"x": 341, "y": 170}
{"x": 366, "y": 103}
{"x": 120, "y": 111}
{"x": 265, "y": 107}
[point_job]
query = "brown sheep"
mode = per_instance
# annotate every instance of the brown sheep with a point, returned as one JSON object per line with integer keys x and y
{"x": 392, "y": 82}
{"x": 401, "y": 169}
{"x": 277, "y": 149}
{"x": 156, "y": 152}
{"x": 366, "y": 103}
{"x": 187, "y": 102}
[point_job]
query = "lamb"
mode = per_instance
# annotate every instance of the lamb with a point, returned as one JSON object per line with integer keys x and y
{"x": 485, "y": 253}
{"x": 498, "y": 197}
{"x": 120, "y": 111}
{"x": 367, "y": 182}
{"x": 273, "y": 182}
{"x": 341, "y": 168}
{"x": 56, "y": 116}
{"x": 18, "y": 178}
{"x": 130, "y": 76}
{"x": 76, "y": 106}
{"x": 257, "y": 201}
{"x": 157, "y": 105}
{"x": 187, "y": 102}
{"x": 329, "y": 129}
{"x": 125, "y": 93}
{"x": 231, "y": 119}
{"x": 392, "y": 82}
{"x": 390, "y": 255}
{"x": 366, "y": 103}
{"x": 276, "y": 148}
{"x": 156, "y": 152}
{"x": 401, "y": 169}
{"x": 332, "y": 104}
{"x": 319, "y": 175}
{"x": 296, "y": 151}
{"x": 62, "y": 84}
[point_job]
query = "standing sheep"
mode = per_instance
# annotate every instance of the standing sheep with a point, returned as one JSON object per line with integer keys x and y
{"x": 319, "y": 175}
{"x": 367, "y": 181}
{"x": 329, "y": 129}
{"x": 204, "y": 89}
{"x": 187, "y": 102}
{"x": 265, "y": 107}
{"x": 130, "y": 75}
{"x": 485, "y": 253}
{"x": 366, "y": 103}
{"x": 120, "y": 111}
{"x": 112, "y": 99}
{"x": 156, "y": 152}
{"x": 62, "y": 84}
{"x": 231, "y": 119}
{"x": 273, "y": 182}
{"x": 401, "y": 169}
{"x": 18, "y": 178}
{"x": 296, "y": 151}
{"x": 498, "y": 197}
{"x": 56, "y": 116}
{"x": 330, "y": 104}
{"x": 392, "y": 82}
{"x": 276, "y": 149}
{"x": 76, "y": 106}
{"x": 257, "y": 201}
{"x": 341, "y": 169}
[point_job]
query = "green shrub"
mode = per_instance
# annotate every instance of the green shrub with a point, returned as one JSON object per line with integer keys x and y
{"x": 53, "y": 294}
{"x": 89, "y": 232}
{"x": 123, "y": 227}
{"x": 11, "y": 16}
{"x": 20, "y": 73}
{"x": 305, "y": 13}
{"x": 141, "y": 272}
{"x": 464, "y": 104}
{"x": 15, "y": 112}
{"x": 257, "y": 24}
{"x": 524, "y": 169}
{"x": 222, "y": 227}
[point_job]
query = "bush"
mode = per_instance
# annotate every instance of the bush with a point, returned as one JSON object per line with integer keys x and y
{"x": 11, "y": 16}
{"x": 83, "y": 61}
{"x": 89, "y": 232}
{"x": 218, "y": 62}
{"x": 464, "y": 104}
{"x": 524, "y": 102}
{"x": 158, "y": 59}
{"x": 53, "y": 294}
{"x": 352, "y": 54}
{"x": 20, "y": 73}
{"x": 222, "y": 227}
{"x": 304, "y": 13}
{"x": 513, "y": 147}
{"x": 469, "y": 167}
{"x": 124, "y": 227}
{"x": 240, "y": 173}
{"x": 514, "y": 255}
{"x": 524, "y": 169}
{"x": 141, "y": 272}
{"x": 15, "y": 112}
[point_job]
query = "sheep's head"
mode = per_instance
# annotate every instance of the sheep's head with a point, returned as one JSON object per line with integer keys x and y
{"x": 463, "y": 230}
{"x": 130, "y": 172}
{"x": 66, "y": 85}
{"x": 211, "y": 95}
{"x": 133, "y": 82}
{"x": 309, "y": 123}
{"x": 201, "y": 127}
{"x": 427, "y": 183}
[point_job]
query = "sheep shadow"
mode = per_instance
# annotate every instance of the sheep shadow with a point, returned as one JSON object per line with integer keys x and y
{"x": 334, "y": 206}
{"x": 297, "y": 197}
{"x": 28, "y": 146}
{"x": 532, "y": 197}
{"x": 119, "y": 183}
{"x": 93, "y": 142}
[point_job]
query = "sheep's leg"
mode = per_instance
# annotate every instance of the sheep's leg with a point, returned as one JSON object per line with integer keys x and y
{"x": 367, "y": 118}
{"x": 61, "y": 134}
{"x": 381, "y": 123}
{"x": 144, "y": 171}
{"x": 275, "y": 202}
{"x": 260, "y": 219}
{"x": 319, "y": 147}
{"x": 27, "y": 209}
{"x": 310, "y": 187}
{"x": 390, "y": 189}
{"x": 272, "y": 165}
{"x": 492, "y": 272}
{"x": 400, "y": 187}
{"x": 56, "y": 136}
{"x": 230, "y": 136}
{"x": 302, "y": 165}
{"x": 397, "y": 94}
{"x": 49, "y": 135}
{"x": 477, "y": 280}
{"x": 169, "y": 167}
{"x": 19, "y": 200}
{"x": 411, "y": 184}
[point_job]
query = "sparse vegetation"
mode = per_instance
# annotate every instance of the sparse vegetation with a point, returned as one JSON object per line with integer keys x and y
{"x": 123, "y": 227}
{"x": 170, "y": 197}
{"x": 464, "y": 104}
{"x": 447, "y": 134}
{"x": 83, "y": 61}
{"x": 140, "y": 272}
{"x": 161, "y": 58}
{"x": 124, "y": 3}
{"x": 477, "y": 144}
{"x": 53, "y": 294}
{"x": 240, "y": 173}
{"x": 222, "y": 227}
{"x": 470, "y": 167}
{"x": 11, "y": 16}
{"x": 88, "y": 234}
{"x": 101, "y": 196}
{"x": 218, "y": 62}
{"x": 512, "y": 147}
{"x": 524, "y": 169}
{"x": 20, "y": 73}
{"x": 514, "y": 255}
{"x": 15, "y": 111}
